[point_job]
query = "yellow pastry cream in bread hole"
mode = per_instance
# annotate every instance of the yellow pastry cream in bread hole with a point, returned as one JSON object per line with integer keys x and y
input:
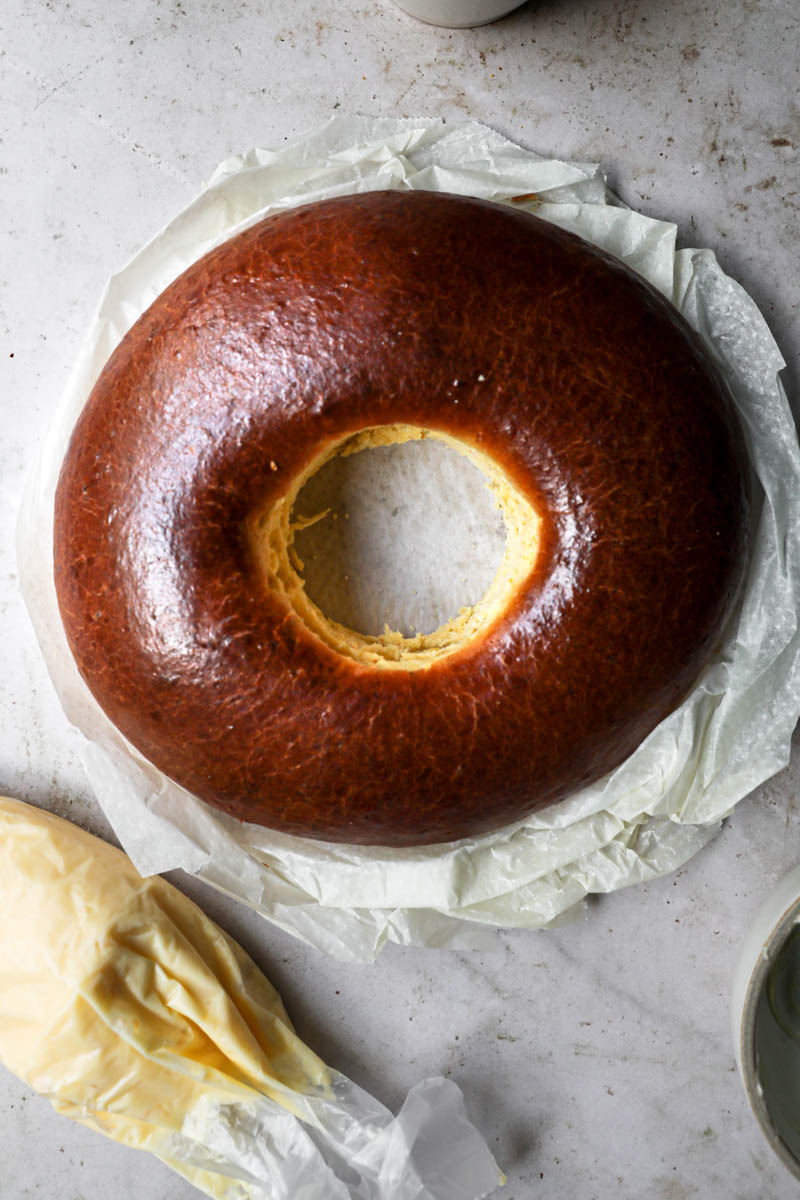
{"x": 271, "y": 532}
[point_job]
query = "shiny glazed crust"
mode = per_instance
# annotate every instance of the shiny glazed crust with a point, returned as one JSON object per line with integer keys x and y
{"x": 449, "y": 314}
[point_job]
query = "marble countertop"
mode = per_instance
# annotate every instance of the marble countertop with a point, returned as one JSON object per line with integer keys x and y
{"x": 596, "y": 1058}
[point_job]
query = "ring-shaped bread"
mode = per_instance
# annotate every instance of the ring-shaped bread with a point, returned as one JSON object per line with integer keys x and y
{"x": 607, "y": 429}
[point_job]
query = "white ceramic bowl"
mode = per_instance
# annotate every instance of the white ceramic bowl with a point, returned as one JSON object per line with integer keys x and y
{"x": 458, "y": 14}
{"x": 766, "y": 1019}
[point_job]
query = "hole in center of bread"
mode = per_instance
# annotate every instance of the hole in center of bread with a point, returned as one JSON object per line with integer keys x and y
{"x": 403, "y": 537}
{"x": 398, "y": 545}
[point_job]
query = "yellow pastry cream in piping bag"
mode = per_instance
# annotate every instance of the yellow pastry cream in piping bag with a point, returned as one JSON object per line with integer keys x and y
{"x": 133, "y": 1013}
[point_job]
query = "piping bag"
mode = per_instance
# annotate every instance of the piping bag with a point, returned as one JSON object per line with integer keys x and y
{"x": 136, "y": 1015}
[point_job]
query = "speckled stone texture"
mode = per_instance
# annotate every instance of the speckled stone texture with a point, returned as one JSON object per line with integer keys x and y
{"x": 596, "y": 1058}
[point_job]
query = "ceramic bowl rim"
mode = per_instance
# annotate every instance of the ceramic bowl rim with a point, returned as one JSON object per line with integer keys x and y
{"x": 747, "y": 1049}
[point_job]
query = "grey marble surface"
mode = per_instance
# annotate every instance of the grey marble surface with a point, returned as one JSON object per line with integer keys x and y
{"x": 597, "y": 1058}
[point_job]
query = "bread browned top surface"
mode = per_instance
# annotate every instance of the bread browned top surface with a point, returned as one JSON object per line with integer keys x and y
{"x": 448, "y": 314}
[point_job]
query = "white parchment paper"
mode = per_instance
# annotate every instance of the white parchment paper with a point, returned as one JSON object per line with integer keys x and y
{"x": 646, "y": 818}
{"x": 346, "y": 1146}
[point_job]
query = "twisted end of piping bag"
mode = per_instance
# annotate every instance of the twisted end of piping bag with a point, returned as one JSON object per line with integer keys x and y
{"x": 138, "y": 1016}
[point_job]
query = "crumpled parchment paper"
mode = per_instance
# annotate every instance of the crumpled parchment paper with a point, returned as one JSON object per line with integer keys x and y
{"x": 647, "y": 817}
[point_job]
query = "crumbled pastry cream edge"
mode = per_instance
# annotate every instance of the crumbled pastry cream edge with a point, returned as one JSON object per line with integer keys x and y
{"x": 270, "y": 534}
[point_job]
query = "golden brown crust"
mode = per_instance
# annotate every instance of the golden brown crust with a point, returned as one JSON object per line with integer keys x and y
{"x": 450, "y": 314}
